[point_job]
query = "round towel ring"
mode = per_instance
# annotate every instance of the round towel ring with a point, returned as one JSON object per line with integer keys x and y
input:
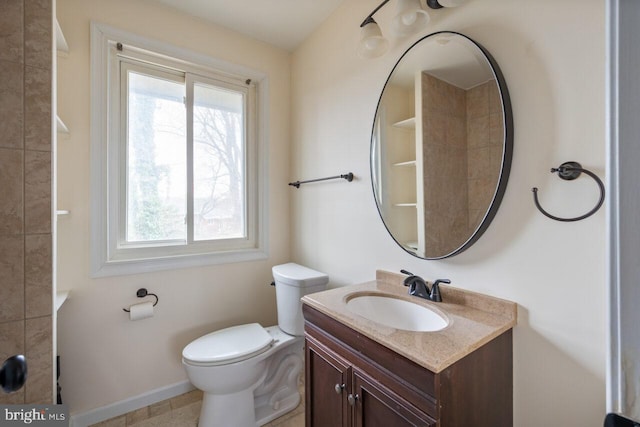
{"x": 570, "y": 171}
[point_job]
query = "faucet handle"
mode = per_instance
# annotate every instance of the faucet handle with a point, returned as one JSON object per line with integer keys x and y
{"x": 435, "y": 290}
{"x": 409, "y": 280}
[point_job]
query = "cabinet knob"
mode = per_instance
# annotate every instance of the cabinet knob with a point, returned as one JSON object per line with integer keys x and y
{"x": 338, "y": 388}
{"x": 352, "y": 398}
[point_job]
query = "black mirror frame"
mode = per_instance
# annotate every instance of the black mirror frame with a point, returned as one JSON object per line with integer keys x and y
{"x": 507, "y": 154}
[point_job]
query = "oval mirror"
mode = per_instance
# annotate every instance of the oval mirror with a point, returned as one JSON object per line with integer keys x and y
{"x": 441, "y": 145}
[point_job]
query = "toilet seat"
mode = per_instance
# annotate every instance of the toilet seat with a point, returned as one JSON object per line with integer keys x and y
{"x": 228, "y": 345}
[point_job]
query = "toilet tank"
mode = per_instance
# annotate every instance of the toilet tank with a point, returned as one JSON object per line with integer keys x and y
{"x": 294, "y": 281}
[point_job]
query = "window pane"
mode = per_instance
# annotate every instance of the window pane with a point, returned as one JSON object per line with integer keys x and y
{"x": 156, "y": 160}
{"x": 218, "y": 163}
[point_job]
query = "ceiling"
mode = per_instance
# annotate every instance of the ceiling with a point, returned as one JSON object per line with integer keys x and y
{"x": 282, "y": 23}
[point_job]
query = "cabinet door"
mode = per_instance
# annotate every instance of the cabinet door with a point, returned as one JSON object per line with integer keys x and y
{"x": 327, "y": 382}
{"x": 377, "y": 406}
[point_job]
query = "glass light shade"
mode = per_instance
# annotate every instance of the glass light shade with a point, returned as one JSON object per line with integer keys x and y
{"x": 372, "y": 42}
{"x": 452, "y": 3}
{"x": 410, "y": 17}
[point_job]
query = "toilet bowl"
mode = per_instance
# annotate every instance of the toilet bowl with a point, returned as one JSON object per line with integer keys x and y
{"x": 249, "y": 373}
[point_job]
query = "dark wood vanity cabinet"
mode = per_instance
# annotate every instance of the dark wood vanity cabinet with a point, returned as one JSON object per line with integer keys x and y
{"x": 351, "y": 380}
{"x": 340, "y": 394}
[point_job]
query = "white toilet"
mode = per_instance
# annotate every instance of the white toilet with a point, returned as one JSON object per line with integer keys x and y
{"x": 249, "y": 374}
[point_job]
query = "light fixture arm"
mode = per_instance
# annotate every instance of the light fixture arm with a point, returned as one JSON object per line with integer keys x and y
{"x": 369, "y": 18}
{"x": 433, "y": 4}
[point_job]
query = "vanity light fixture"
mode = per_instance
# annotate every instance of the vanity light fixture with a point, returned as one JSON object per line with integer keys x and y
{"x": 410, "y": 17}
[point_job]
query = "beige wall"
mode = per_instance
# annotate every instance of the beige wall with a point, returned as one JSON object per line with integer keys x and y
{"x": 25, "y": 195}
{"x": 105, "y": 357}
{"x": 552, "y": 55}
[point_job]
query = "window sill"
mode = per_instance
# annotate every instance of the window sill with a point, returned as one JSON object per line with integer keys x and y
{"x": 139, "y": 266}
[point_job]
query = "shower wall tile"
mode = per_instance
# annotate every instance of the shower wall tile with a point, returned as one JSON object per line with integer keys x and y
{"x": 11, "y": 278}
{"x": 481, "y": 158}
{"x": 12, "y": 339}
{"x": 481, "y": 192}
{"x": 11, "y": 197}
{"x": 475, "y": 217}
{"x": 456, "y": 132}
{"x": 496, "y": 129}
{"x": 26, "y": 42}
{"x": 495, "y": 101}
{"x": 39, "y": 353}
{"x": 37, "y": 192}
{"x": 38, "y": 34}
{"x": 37, "y": 109}
{"x": 38, "y": 275}
{"x": 478, "y": 132}
{"x": 444, "y": 156}
{"x": 478, "y": 101}
{"x": 436, "y": 123}
{"x": 11, "y": 36}
{"x": 11, "y": 106}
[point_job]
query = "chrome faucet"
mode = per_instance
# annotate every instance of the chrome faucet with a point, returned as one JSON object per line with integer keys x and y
{"x": 418, "y": 287}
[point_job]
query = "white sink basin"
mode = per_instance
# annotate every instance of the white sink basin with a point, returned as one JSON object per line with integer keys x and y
{"x": 396, "y": 313}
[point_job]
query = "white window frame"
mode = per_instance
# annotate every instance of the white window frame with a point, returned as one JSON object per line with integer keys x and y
{"x": 109, "y": 257}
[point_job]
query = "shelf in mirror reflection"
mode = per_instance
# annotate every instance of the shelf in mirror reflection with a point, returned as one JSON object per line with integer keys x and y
{"x": 60, "y": 298}
{"x": 60, "y": 126}
{"x": 412, "y": 245}
{"x": 409, "y": 123}
{"x": 408, "y": 163}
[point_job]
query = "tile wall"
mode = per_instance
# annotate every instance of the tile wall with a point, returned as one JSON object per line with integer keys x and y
{"x": 26, "y": 193}
{"x": 444, "y": 150}
{"x": 462, "y": 154}
{"x": 485, "y": 137}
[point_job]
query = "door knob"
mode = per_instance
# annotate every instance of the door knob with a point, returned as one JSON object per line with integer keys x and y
{"x": 13, "y": 373}
{"x": 338, "y": 388}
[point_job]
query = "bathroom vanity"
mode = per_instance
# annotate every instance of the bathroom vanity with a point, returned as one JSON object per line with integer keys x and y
{"x": 362, "y": 373}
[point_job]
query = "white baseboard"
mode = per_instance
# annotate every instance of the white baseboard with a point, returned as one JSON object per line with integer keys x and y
{"x": 124, "y": 406}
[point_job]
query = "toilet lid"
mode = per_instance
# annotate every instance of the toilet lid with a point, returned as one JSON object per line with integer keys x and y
{"x": 228, "y": 345}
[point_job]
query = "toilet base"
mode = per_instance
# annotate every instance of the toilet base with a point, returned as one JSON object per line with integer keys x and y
{"x": 234, "y": 407}
{"x": 265, "y": 413}
{"x": 278, "y": 393}
{"x": 224, "y": 410}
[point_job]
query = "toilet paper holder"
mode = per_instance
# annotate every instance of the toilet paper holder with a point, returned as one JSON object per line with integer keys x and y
{"x": 141, "y": 293}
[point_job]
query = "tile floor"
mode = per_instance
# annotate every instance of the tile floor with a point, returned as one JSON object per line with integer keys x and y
{"x": 184, "y": 410}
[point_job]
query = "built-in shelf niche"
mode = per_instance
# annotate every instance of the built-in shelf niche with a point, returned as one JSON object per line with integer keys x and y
{"x": 407, "y": 163}
{"x": 409, "y": 123}
{"x": 61, "y": 43}
{"x": 61, "y": 127}
{"x": 404, "y": 150}
{"x": 62, "y": 48}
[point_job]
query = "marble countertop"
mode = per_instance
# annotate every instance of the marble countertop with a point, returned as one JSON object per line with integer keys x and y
{"x": 474, "y": 320}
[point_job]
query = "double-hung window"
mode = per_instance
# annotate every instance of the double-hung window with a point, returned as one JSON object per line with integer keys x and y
{"x": 178, "y": 161}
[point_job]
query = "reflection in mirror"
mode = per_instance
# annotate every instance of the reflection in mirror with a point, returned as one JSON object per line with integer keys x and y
{"x": 441, "y": 145}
